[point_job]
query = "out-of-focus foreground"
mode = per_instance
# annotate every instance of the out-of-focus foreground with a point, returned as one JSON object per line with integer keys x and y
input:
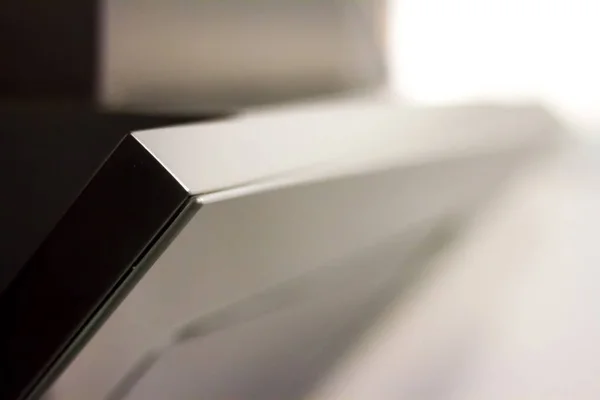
{"x": 512, "y": 308}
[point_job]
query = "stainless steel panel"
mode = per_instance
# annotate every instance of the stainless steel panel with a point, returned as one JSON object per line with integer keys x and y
{"x": 343, "y": 239}
{"x": 309, "y": 219}
{"x": 321, "y": 140}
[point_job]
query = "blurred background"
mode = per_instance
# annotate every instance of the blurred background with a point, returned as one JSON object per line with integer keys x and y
{"x": 207, "y": 54}
{"x": 445, "y": 51}
{"x": 190, "y": 55}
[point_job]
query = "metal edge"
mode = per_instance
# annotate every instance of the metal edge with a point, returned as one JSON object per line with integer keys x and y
{"x": 92, "y": 248}
{"x": 137, "y": 272}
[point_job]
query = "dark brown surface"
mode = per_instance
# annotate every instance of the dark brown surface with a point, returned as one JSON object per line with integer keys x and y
{"x": 49, "y": 49}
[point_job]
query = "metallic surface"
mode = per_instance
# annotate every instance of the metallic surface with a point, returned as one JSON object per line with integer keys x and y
{"x": 514, "y": 312}
{"x": 91, "y": 249}
{"x": 322, "y": 140}
{"x": 301, "y": 230}
{"x": 236, "y": 249}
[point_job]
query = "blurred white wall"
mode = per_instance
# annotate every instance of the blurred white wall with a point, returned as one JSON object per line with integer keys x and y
{"x": 447, "y": 51}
